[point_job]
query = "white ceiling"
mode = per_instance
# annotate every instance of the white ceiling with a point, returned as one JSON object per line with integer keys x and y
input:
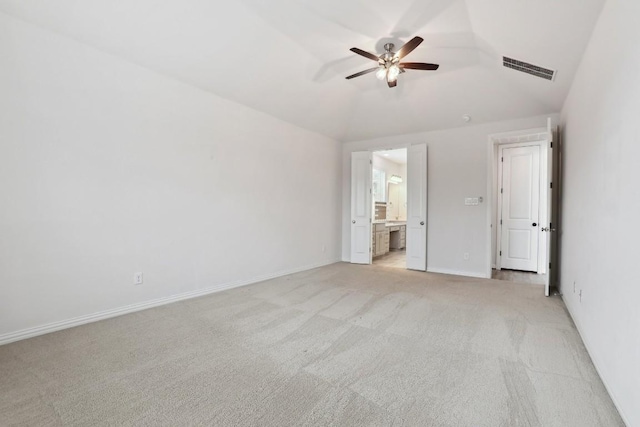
{"x": 288, "y": 58}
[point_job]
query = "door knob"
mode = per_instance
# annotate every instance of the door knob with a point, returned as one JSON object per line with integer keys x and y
{"x": 534, "y": 224}
{"x": 353, "y": 222}
{"x": 421, "y": 222}
{"x": 545, "y": 229}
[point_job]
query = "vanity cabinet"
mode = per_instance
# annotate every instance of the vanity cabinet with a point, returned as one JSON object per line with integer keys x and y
{"x": 385, "y": 237}
{"x": 379, "y": 239}
{"x": 398, "y": 237}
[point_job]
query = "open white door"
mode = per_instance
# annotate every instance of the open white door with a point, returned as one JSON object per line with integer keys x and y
{"x": 553, "y": 208}
{"x": 417, "y": 207}
{"x": 361, "y": 207}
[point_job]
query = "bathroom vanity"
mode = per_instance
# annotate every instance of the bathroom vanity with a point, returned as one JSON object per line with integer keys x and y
{"x": 388, "y": 235}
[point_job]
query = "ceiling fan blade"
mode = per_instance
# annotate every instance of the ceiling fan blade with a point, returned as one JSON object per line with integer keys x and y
{"x": 362, "y": 73}
{"x": 365, "y": 54}
{"x": 392, "y": 83}
{"x": 419, "y": 66}
{"x": 408, "y": 47}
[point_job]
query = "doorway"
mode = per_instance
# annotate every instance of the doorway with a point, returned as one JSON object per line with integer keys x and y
{"x": 389, "y": 207}
{"x": 522, "y": 167}
{"x": 519, "y": 207}
{"x": 389, "y": 224}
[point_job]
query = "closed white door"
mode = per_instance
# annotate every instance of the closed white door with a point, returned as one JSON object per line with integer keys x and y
{"x": 361, "y": 181}
{"x": 520, "y": 228}
{"x": 417, "y": 207}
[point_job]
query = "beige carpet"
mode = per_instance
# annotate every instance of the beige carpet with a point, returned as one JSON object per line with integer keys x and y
{"x": 519, "y": 276}
{"x": 338, "y": 345}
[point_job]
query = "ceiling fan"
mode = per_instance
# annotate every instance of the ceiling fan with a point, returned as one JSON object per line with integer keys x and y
{"x": 389, "y": 65}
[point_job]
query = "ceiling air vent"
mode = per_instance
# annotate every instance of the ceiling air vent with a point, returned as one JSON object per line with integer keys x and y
{"x": 525, "y": 67}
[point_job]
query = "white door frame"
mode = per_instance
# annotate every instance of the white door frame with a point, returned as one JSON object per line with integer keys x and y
{"x": 541, "y": 137}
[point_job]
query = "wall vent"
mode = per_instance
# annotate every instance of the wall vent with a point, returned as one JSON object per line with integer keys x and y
{"x": 525, "y": 67}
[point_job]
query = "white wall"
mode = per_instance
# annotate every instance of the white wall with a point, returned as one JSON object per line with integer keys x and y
{"x": 458, "y": 168}
{"x": 107, "y": 169}
{"x": 601, "y": 203}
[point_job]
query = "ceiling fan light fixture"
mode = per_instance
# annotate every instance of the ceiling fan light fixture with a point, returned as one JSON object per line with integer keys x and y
{"x": 393, "y": 72}
{"x": 389, "y": 65}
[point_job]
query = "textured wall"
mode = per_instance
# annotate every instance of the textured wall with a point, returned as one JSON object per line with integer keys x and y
{"x": 601, "y": 206}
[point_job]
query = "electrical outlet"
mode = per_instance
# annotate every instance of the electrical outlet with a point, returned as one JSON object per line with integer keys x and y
{"x": 466, "y": 256}
{"x": 137, "y": 278}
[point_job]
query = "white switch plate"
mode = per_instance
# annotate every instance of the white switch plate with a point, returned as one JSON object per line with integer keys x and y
{"x": 137, "y": 278}
{"x": 471, "y": 201}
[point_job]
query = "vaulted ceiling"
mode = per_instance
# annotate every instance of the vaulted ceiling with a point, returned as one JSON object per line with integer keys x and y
{"x": 288, "y": 58}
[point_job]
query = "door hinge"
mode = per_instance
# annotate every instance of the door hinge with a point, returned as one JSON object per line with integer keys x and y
{"x": 502, "y": 159}
{"x": 550, "y": 225}
{"x": 500, "y": 253}
{"x": 551, "y": 145}
{"x": 551, "y": 185}
{"x": 549, "y": 266}
{"x": 500, "y": 222}
{"x": 501, "y": 190}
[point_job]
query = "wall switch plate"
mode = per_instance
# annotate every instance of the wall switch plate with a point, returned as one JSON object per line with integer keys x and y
{"x": 137, "y": 278}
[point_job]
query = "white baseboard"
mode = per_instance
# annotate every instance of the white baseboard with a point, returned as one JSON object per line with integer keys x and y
{"x": 596, "y": 363}
{"x": 457, "y": 272}
{"x": 106, "y": 314}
